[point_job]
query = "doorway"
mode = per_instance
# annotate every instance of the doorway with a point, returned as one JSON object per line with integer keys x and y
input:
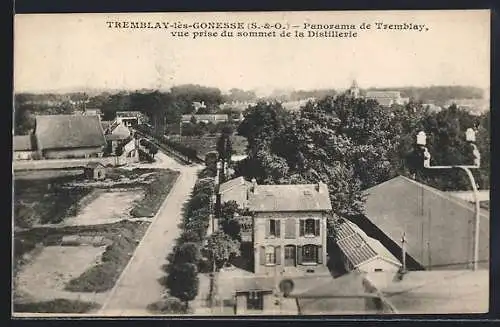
{"x": 290, "y": 254}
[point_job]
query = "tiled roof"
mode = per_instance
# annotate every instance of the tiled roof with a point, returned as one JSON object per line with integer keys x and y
{"x": 22, "y": 143}
{"x": 299, "y": 197}
{"x": 224, "y": 187}
{"x": 358, "y": 247}
{"x": 119, "y": 132}
{"x": 68, "y": 131}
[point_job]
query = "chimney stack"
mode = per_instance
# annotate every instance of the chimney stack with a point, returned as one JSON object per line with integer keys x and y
{"x": 403, "y": 250}
{"x": 254, "y": 185}
{"x": 318, "y": 187}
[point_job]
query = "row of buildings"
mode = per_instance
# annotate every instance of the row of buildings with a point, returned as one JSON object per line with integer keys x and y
{"x": 287, "y": 235}
{"x": 81, "y": 135}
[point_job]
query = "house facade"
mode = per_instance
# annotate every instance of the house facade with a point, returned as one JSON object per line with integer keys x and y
{"x": 24, "y": 147}
{"x": 289, "y": 227}
{"x": 386, "y": 98}
{"x": 129, "y": 118}
{"x": 69, "y": 136}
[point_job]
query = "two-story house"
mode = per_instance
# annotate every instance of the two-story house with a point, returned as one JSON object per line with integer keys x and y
{"x": 289, "y": 227}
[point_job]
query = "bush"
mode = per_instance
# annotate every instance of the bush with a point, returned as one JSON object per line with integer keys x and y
{"x": 183, "y": 281}
{"x": 168, "y": 305}
{"x": 56, "y": 306}
{"x": 187, "y": 253}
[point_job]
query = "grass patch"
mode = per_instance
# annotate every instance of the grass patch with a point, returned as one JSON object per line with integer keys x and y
{"x": 25, "y": 242}
{"x": 45, "y": 201}
{"x": 57, "y": 306}
{"x": 103, "y": 276}
{"x": 170, "y": 305}
{"x": 155, "y": 193}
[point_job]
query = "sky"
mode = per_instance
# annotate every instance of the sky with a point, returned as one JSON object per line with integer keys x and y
{"x": 60, "y": 52}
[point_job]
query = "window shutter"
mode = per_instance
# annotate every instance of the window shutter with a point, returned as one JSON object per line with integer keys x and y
{"x": 268, "y": 227}
{"x": 277, "y": 254}
{"x": 290, "y": 228}
{"x": 299, "y": 255}
{"x": 317, "y": 227}
{"x": 262, "y": 255}
{"x": 302, "y": 227}
{"x": 319, "y": 252}
{"x": 277, "y": 227}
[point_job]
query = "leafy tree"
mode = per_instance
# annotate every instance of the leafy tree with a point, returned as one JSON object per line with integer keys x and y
{"x": 229, "y": 223}
{"x": 221, "y": 248}
{"x": 189, "y": 236}
{"x": 187, "y": 253}
{"x": 183, "y": 282}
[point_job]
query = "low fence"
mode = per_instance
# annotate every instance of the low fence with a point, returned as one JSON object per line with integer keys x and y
{"x": 66, "y": 163}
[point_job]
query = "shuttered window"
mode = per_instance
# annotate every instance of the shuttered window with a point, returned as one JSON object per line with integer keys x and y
{"x": 270, "y": 255}
{"x": 310, "y": 227}
{"x": 262, "y": 255}
{"x": 273, "y": 228}
{"x": 277, "y": 255}
{"x": 290, "y": 228}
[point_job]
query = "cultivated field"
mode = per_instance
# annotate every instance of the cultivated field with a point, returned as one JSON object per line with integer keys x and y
{"x": 74, "y": 237}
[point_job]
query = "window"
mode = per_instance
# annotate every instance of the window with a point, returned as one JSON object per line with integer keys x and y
{"x": 255, "y": 300}
{"x": 310, "y": 227}
{"x": 270, "y": 255}
{"x": 273, "y": 228}
{"x": 310, "y": 253}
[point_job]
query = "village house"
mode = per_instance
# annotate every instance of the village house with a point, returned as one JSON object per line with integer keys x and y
{"x": 473, "y": 106}
{"x": 129, "y": 118}
{"x": 117, "y": 135}
{"x": 386, "y": 98}
{"x": 289, "y": 227}
{"x": 432, "y": 221}
{"x": 360, "y": 252}
{"x": 24, "y": 147}
{"x": 208, "y": 118}
{"x": 69, "y": 136}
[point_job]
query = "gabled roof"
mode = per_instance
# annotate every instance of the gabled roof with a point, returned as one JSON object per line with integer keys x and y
{"x": 298, "y": 197}
{"x": 119, "y": 132}
{"x": 68, "y": 131}
{"x": 22, "y": 143}
{"x": 445, "y": 195}
{"x": 358, "y": 247}
{"x": 230, "y": 184}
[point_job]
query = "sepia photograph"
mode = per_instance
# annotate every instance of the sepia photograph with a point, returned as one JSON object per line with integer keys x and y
{"x": 229, "y": 164}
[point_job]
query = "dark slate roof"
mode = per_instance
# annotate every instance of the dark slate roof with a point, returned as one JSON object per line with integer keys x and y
{"x": 358, "y": 247}
{"x": 68, "y": 131}
{"x": 299, "y": 197}
{"x": 22, "y": 143}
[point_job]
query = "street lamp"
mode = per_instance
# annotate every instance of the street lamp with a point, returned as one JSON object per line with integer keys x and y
{"x": 470, "y": 137}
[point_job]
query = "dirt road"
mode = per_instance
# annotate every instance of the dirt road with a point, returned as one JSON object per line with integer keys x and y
{"x": 138, "y": 285}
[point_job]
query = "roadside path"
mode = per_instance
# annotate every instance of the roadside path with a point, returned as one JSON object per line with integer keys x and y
{"x": 138, "y": 285}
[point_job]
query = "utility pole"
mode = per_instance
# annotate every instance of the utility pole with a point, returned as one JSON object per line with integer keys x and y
{"x": 403, "y": 250}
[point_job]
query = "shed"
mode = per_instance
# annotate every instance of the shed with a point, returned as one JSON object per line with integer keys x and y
{"x": 95, "y": 170}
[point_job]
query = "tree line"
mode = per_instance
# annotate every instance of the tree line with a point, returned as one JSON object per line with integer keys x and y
{"x": 353, "y": 144}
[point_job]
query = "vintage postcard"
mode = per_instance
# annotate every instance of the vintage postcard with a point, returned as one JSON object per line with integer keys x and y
{"x": 252, "y": 163}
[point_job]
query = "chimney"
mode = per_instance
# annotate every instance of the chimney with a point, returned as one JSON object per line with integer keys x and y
{"x": 254, "y": 186}
{"x": 403, "y": 250}
{"x": 318, "y": 187}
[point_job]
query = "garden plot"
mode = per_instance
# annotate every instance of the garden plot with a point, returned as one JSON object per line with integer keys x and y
{"x": 105, "y": 207}
{"x": 46, "y": 276}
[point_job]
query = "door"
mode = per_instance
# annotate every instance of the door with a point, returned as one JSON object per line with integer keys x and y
{"x": 290, "y": 253}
